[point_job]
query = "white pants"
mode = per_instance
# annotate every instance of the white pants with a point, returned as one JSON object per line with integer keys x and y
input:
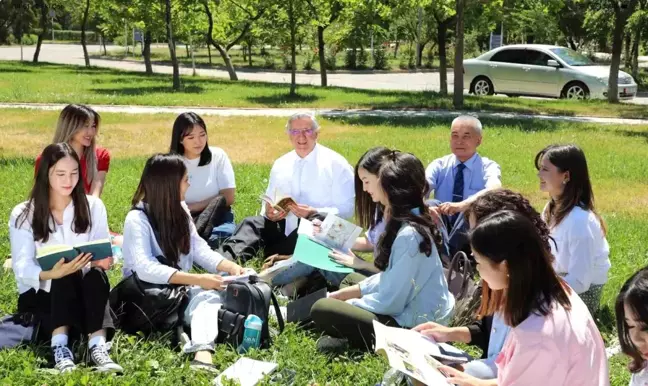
{"x": 201, "y": 316}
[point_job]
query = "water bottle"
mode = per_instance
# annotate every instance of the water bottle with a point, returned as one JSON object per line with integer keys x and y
{"x": 252, "y": 334}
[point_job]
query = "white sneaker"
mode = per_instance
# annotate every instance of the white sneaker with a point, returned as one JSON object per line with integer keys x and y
{"x": 101, "y": 358}
{"x": 64, "y": 359}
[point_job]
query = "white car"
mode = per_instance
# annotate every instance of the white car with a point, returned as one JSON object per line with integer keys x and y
{"x": 541, "y": 70}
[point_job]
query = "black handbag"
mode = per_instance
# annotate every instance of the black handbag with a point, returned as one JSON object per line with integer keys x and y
{"x": 466, "y": 291}
{"x": 243, "y": 298}
{"x": 139, "y": 306}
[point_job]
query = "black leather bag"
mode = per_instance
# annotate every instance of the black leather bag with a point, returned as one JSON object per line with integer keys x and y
{"x": 139, "y": 306}
{"x": 466, "y": 291}
{"x": 243, "y": 298}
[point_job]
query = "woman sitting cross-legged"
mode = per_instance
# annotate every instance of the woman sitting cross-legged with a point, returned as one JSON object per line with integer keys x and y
{"x": 410, "y": 288}
{"x": 212, "y": 187}
{"x": 553, "y": 339}
{"x": 160, "y": 225}
{"x": 369, "y": 213}
{"x": 71, "y": 299}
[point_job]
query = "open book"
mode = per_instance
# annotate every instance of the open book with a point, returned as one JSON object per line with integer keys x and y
{"x": 279, "y": 201}
{"x": 337, "y": 233}
{"x": 416, "y": 355}
{"x": 246, "y": 371}
{"x": 48, "y": 256}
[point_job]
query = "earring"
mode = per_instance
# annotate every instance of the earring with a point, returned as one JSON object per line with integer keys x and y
{"x": 565, "y": 182}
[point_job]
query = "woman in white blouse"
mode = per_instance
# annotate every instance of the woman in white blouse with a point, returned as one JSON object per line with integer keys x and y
{"x": 160, "y": 225}
{"x": 210, "y": 173}
{"x": 71, "y": 298}
{"x": 581, "y": 249}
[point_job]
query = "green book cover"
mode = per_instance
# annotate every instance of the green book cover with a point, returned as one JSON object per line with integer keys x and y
{"x": 50, "y": 255}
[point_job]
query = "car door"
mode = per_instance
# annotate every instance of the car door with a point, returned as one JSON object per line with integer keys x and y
{"x": 539, "y": 78}
{"x": 505, "y": 69}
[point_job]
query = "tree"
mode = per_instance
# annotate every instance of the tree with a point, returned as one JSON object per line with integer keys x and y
{"x": 292, "y": 10}
{"x": 171, "y": 43}
{"x": 457, "y": 97}
{"x": 44, "y": 13}
{"x": 236, "y": 20}
{"x": 622, "y": 10}
{"x": 325, "y": 12}
{"x": 21, "y": 19}
{"x": 638, "y": 23}
{"x": 444, "y": 14}
{"x": 84, "y": 23}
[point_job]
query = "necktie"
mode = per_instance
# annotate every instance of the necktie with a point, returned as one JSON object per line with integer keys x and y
{"x": 458, "y": 188}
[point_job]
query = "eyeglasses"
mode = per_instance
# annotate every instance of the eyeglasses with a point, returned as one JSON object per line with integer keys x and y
{"x": 306, "y": 132}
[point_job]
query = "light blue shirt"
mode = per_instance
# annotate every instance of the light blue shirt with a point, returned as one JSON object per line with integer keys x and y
{"x": 412, "y": 289}
{"x": 480, "y": 173}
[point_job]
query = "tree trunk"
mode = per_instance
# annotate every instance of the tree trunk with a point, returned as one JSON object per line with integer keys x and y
{"x": 572, "y": 44}
{"x": 221, "y": 50}
{"x": 43, "y": 24}
{"x": 244, "y": 52}
{"x": 83, "y": 33}
{"x": 443, "y": 61}
{"x": 396, "y": 49}
{"x": 250, "y": 54}
{"x": 458, "y": 97}
{"x": 209, "y": 52}
{"x": 103, "y": 42}
{"x": 628, "y": 56}
{"x": 293, "y": 53}
{"x": 171, "y": 43}
{"x": 620, "y": 18}
{"x": 321, "y": 47}
{"x": 419, "y": 55}
{"x": 226, "y": 58}
{"x": 146, "y": 52}
{"x": 635, "y": 54}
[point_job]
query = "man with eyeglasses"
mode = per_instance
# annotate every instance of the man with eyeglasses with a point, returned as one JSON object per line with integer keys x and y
{"x": 318, "y": 179}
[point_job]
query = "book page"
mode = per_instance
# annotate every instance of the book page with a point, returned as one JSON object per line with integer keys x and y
{"x": 338, "y": 233}
{"x": 248, "y": 372}
{"x": 408, "y": 352}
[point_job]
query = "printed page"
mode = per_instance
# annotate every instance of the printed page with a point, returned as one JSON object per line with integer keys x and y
{"x": 338, "y": 233}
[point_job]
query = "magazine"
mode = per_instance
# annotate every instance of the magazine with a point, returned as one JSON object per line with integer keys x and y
{"x": 416, "y": 355}
{"x": 337, "y": 233}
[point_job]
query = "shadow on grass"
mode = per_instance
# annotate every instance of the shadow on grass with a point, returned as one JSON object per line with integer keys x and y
{"x": 635, "y": 134}
{"x": 605, "y": 320}
{"x": 282, "y": 98}
{"x": 414, "y": 121}
{"x": 15, "y": 161}
{"x": 148, "y": 90}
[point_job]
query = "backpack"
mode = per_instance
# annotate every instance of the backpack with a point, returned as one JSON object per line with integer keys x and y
{"x": 18, "y": 329}
{"x": 243, "y": 298}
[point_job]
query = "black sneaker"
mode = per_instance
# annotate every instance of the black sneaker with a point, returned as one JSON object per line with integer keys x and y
{"x": 63, "y": 359}
{"x": 330, "y": 345}
{"x": 100, "y": 357}
{"x": 202, "y": 366}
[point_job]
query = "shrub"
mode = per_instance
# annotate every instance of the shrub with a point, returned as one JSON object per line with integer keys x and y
{"x": 331, "y": 60}
{"x": 91, "y": 36}
{"x": 309, "y": 60}
{"x": 350, "y": 59}
{"x": 29, "y": 39}
{"x": 286, "y": 60}
{"x": 380, "y": 59}
{"x": 362, "y": 59}
{"x": 429, "y": 58}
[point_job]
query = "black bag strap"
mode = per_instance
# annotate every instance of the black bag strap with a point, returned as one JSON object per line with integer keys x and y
{"x": 460, "y": 257}
{"x": 273, "y": 299}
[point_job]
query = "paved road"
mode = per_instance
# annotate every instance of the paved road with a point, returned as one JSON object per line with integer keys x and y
{"x": 415, "y": 81}
{"x": 281, "y": 112}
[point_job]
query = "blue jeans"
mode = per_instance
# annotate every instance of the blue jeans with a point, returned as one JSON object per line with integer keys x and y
{"x": 300, "y": 269}
{"x": 221, "y": 232}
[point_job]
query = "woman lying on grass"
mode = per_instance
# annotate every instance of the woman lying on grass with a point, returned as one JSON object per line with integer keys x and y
{"x": 71, "y": 299}
{"x": 410, "y": 288}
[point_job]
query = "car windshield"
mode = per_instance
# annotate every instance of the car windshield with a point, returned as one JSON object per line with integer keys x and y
{"x": 572, "y": 57}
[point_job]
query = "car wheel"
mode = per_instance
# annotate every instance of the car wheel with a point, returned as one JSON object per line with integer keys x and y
{"x": 482, "y": 86}
{"x": 575, "y": 91}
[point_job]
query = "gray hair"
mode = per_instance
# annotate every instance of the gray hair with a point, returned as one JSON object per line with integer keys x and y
{"x": 314, "y": 125}
{"x": 470, "y": 120}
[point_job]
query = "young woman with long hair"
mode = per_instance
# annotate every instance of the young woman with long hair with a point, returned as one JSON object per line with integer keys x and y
{"x": 71, "y": 299}
{"x": 210, "y": 174}
{"x": 78, "y": 125}
{"x": 581, "y": 250}
{"x": 553, "y": 339}
{"x": 489, "y": 332}
{"x": 161, "y": 245}
{"x": 632, "y": 325}
{"x": 410, "y": 287}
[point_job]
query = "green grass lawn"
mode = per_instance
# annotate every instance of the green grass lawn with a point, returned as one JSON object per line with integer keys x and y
{"x": 616, "y": 156}
{"x": 43, "y": 83}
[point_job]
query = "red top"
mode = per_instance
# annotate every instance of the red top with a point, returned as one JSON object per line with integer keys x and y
{"x": 103, "y": 164}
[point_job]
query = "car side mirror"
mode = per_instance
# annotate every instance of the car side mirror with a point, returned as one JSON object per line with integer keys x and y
{"x": 553, "y": 63}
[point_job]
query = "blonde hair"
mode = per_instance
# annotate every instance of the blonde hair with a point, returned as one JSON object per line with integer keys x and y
{"x": 72, "y": 119}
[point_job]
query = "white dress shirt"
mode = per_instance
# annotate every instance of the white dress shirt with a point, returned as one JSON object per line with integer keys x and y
{"x": 24, "y": 249}
{"x": 323, "y": 179}
{"x": 140, "y": 249}
{"x": 581, "y": 250}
